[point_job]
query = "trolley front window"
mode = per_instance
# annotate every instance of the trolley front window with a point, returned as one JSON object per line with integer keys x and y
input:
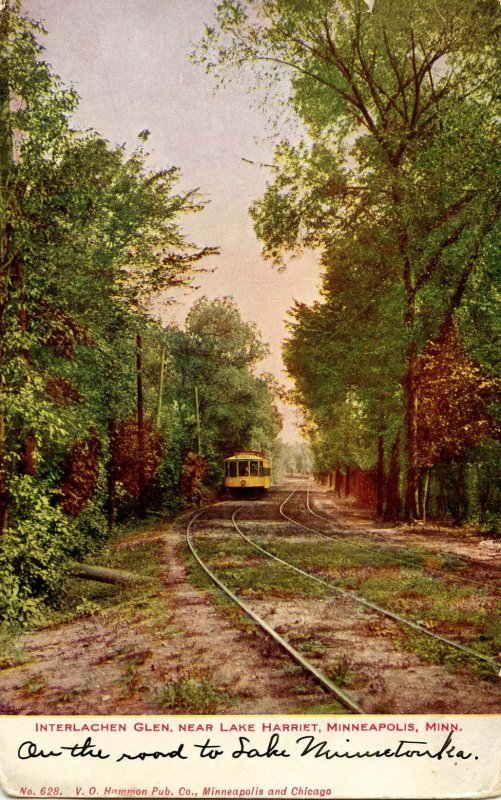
{"x": 231, "y": 469}
{"x": 243, "y": 469}
{"x": 254, "y": 469}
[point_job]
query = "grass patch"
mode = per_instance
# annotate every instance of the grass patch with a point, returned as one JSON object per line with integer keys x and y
{"x": 140, "y": 604}
{"x": 131, "y": 678}
{"x": 272, "y": 578}
{"x": 339, "y": 554}
{"x": 436, "y": 652}
{"x": 260, "y": 576}
{"x": 452, "y": 562}
{"x": 428, "y": 600}
{"x": 329, "y": 707}
{"x": 12, "y": 654}
{"x": 69, "y": 694}
{"x": 34, "y": 685}
{"x": 341, "y": 671}
{"x": 86, "y": 597}
{"x": 492, "y": 633}
{"x": 301, "y": 688}
{"x": 192, "y": 694}
{"x": 312, "y": 647}
{"x": 199, "y": 578}
{"x": 291, "y": 669}
{"x": 393, "y": 579}
{"x": 422, "y": 598}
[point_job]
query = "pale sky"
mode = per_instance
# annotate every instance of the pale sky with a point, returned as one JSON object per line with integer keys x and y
{"x": 129, "y": 62}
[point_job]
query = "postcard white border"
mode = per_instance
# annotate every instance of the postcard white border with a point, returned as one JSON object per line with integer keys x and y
{"x": 182, "y": 768}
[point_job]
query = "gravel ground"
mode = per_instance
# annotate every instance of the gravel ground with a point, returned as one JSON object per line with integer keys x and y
{"x": 183, "y": 653}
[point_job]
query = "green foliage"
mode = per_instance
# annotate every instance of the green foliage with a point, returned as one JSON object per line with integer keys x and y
{"x": 37, "y": 549}
{"x": 396, "y": 182}
{"x": 191, "y": 694}
{"x": 342, "y": 671}
{"x": 88, "y": 235}
{"x": 312, "y": 647}
{"x": 34, "y": 554}
{"x": 454, "y": 661}
{"x": 217, "y": 356}
{"x": 491, "y": 523}
{"x": 290, "y": 458}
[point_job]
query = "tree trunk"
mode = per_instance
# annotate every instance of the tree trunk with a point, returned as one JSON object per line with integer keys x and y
{"x": 461, "y": 495}
{"x": 4, "y": 496}
{"x": 347, "y": 485}
{"x": 441, "y": 494}
{"x": 107, "y": 575}
{"x": 158, "y": 416}
{"x": 393, "y": 501}
{"x": 338, "y": 481}
{"x": 426, "y": 486}
{"x": 380, "y": 477}
{"x": 28, "y": 452}
{"x": 140, "y": 430}
{"x": 411, "y": 482}
{"x": 6, "y": 141}
{"x": 484, "y": 489}
{"x": 28, "y": 461}
{"x": 197, "y": 413}
{"x": 110, "y": 475}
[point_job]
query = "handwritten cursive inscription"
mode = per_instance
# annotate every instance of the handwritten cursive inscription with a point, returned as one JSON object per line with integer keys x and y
{"x": 271, "y": 750}
{"x": 406, "y": 748}
{"x": 156, "y": 754}
{"x": 30, "y": 750}
{"x": 309, "y": 746}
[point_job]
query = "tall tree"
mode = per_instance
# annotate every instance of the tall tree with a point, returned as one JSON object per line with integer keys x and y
{"x": 218, "y": 355}
{"x": 88, "y": 235}
{"x": 401, "y": 117}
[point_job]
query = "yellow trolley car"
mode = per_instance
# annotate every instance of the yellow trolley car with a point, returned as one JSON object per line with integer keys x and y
{"x": 248, "y": 470}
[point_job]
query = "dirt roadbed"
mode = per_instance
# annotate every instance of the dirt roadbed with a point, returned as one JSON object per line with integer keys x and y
{"x": 178, "y": 653}
{"x": 176, "y": 647}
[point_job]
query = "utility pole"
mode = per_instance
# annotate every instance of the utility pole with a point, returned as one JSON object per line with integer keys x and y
{"x": 160, "y": 391}
{"x": 197, "y": 410}
{"x": 140, "y": 429}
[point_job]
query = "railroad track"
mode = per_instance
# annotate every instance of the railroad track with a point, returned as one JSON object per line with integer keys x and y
{"x": 353, "y": 596}
{"x": 345, "y": 699}
{"x": 357, "y": 600}
{"x": 374, "y": 540}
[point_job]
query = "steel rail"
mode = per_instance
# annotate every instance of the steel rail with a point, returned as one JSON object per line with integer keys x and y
{"x": 329, "y": 584}
{"x": 338, "y": 536}
{"x": 313, "y": 530}
{"x": 343, "y": 696}
{"x": 373, "y": 606}
{"x": 320, "y": 516}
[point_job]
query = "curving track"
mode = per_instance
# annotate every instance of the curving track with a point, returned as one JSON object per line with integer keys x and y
{"x": 220, "y": 532}
{"x": 323, "y": 679}
{"x": 359, "y": 599}
{"x": 357, "y": 537}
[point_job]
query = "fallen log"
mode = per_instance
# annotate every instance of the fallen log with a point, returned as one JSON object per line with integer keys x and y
{"x": 106, "y": 575}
